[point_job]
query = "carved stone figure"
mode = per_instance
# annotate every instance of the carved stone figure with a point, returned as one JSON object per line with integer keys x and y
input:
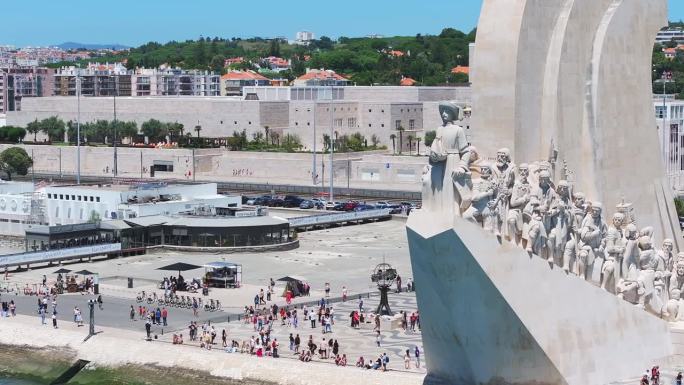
{"x": 592, "y": 244}
{"x": 520, "y": 197}
{"x": 448, "y": 154}
{"x": 547, "y": 197}
{"x": 630, "y": 257}
{"x": 677, "y": 281}
{"x": 484, "y": 192}
{"x": 463, "y": 181}
{"x": 615, "y": 243}
{"x": 537, "y": 236}
{"x": 571, "y": 251}
{"x": 560, "y": 219}
{"x": 504, "y": 176}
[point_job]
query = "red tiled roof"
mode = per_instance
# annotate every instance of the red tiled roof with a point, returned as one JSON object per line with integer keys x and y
{"x": 243, "y": 75}
{"x": 460, "y": 70}
{"x": 233, "y": 60}
{"x": 407, "y": 82}
{"x": 321, "y": 75}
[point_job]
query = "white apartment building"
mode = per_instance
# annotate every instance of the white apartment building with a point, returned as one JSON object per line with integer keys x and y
{"x": 79, "y": 204}
{"x": 304, "y": 37}
{"x": 667, "y": 35}
{"x": 669, "y": 114}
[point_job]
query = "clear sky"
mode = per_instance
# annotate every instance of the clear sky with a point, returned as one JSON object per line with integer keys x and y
{"x": 133, "y": 22}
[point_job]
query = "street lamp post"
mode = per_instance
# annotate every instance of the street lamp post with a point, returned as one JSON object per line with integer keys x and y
{"x": 91, "y": 306}
{"x": 78, "y": 129}
{"x": 332, "y": 143}
{"x": 116, "y": 91}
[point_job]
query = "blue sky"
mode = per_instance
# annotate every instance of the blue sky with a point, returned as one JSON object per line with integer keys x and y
{"x": 133, "y": 22}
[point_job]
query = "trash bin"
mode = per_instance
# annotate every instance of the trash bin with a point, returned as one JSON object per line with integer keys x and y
{"x": 130, "y": 283}
{"x": 96, "y": 288}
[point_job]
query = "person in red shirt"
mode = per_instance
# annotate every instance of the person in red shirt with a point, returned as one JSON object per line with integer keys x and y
{"x": 164, "y": 314}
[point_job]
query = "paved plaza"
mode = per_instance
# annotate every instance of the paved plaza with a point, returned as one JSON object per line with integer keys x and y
{"x": 342, "y": 256}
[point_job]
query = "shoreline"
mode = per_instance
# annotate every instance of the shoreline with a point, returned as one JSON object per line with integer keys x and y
{"x": 124, "y": 357}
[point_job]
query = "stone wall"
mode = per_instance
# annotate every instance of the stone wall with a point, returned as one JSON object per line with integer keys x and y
{"x": 390, "y": 172}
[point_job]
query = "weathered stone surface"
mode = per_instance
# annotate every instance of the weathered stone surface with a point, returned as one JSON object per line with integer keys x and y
{"x": 578, "y": 77}
{"x": 490, "y": 312}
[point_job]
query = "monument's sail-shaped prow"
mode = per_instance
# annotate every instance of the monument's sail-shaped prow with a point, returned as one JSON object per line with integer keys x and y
{"x": 521, "y": 277}
{"x": 492, "y": 314}
{"x": 577, "y": 78}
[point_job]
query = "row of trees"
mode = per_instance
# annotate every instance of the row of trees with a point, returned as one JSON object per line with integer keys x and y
{"x": 355, "y": 142}
{"x": 99, "y": 131}
{"x": 425, "y": 58}
{"x": 270, "y": 141}
{"x": 12, "y": 134}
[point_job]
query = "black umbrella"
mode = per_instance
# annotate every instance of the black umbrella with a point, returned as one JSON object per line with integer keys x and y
{"x": 62, "y": 271}
{"x": 85, "y": 272}
{"x": 291, "y": 278}
{"x": 179, "y": 266}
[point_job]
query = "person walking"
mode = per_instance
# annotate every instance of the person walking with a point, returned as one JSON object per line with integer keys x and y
{"x": 224, "y": 338}
{"x": 416, "y": 353}
{"x": 54, "y": 319}
{"x": 41, "y": 311}
{"x": 164, "y": 315}
{"x": 344, "y": 294}
{"x": 132, "y": 313}
{"x": 148, "y": 329}
{"x": 407, "y": 360}
{"x": 327, "y": 289}
{"x": 99, "y": 301}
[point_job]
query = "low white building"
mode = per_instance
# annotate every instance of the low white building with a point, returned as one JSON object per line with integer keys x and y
{"x": 669, "y": 114}
{"x": 78, "y": 204}
{"x": 18, "y": 207}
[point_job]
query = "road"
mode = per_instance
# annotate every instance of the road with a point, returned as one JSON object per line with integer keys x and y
{"x": 115, "y": 312}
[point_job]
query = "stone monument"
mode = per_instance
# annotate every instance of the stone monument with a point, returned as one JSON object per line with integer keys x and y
{"x": 560, "y": 75}
{"x": 550, "y": 272}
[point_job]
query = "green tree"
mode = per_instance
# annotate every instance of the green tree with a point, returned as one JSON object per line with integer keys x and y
{"x": 401, "y": 138}
{"x": 154, "y": 130}
{"x": 34, "y": 128}
{"x": 274, "y": 49}
{"x": 393, "y": 139}
{"x": 679, "y": 205}
{"x": 94, "y": 217}
{"x": 15, "y": 160}
{"x": 410, "y": 141}
{"x": 291, "y": 143}
{"x": 15, "y": 134}
{"x": 54, "y": 128}
{"x": 430, "y": 137}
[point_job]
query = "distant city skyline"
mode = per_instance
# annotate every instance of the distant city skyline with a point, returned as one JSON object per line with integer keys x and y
{"x": 133, "y": 23}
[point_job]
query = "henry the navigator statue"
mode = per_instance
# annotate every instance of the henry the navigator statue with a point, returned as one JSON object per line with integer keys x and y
{"x": 447, "y": 182}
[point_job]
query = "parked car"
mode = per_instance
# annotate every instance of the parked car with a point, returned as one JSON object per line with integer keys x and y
{"x": 307, "y": 204}
{"x": 331, "y": 205}
{"x": 277, "y": 202}
{"x": 364, "y": 207}
{"x": 395, "y": 209}
{"x": 382, "y": 205}
{"x": 292, "y": 201}
{"x": 339, "y": 206}
{"x": 262, "y": 201}
{"x": 350, "y": 206}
